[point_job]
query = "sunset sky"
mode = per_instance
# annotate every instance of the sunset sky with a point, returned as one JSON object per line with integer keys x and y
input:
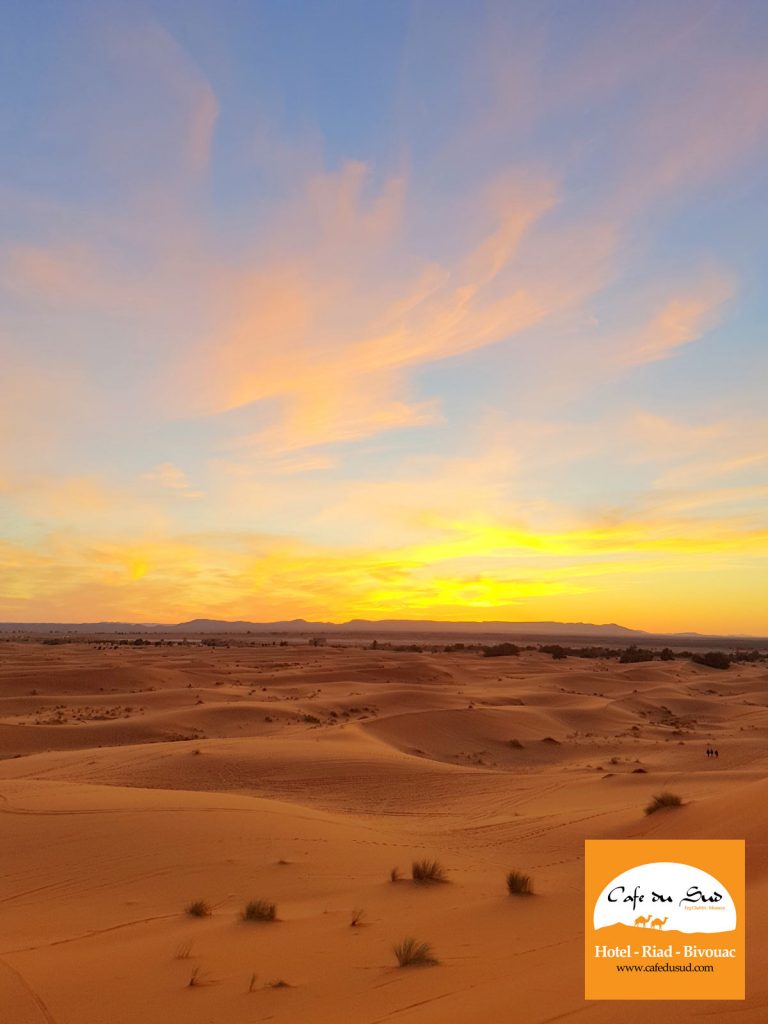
{"x": 445, "y": 309}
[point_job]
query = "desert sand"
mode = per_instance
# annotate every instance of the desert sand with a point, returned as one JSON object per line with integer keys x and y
{"x": 134, "y": 781}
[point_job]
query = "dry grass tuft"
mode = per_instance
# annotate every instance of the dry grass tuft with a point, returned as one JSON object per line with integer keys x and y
{"x": 198, "y": 908}
{"x": 426, "y": 872}
{"x": 411, "y": 953}
{"x": 519, "y": 884}
{"x": 662, "y": 800}
{"x": 183, "y": 951}
{"x": 197, "y": 979}
{"x": 394, "y": 875}
{"x": 357, "y": 917}
{"x": 260, "y": 910}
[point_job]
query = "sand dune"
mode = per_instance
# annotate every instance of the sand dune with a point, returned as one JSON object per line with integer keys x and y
{"x": 134, "y": 781}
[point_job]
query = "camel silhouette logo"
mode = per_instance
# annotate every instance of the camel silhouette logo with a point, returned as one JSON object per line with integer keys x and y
{"x": 666, "y": 896}
{"x": 641, "y": 922}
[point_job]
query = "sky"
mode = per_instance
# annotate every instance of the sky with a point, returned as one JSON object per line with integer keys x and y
{"x": 330, "y": 309}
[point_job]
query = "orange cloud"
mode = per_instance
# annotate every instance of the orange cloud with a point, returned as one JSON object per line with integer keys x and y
{"x": 329, "y": 339}
{"x": 681, "y": 320}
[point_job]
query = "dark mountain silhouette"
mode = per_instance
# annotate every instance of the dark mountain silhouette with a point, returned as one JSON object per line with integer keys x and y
{"x": 353, "y": 626}
{"x": 426, "y": 630}
{"x": 414, "y": 626}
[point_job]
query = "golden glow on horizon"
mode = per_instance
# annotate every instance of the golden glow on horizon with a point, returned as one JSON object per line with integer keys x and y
{"x": 484, "y": 572}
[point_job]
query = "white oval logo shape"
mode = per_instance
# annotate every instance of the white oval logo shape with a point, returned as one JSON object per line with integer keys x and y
{"x": 666, "y": 897}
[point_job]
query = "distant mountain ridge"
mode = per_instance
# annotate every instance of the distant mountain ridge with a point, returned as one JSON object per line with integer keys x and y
{"x": 532, "y": 631}
{"x": 417, "y": 626}
{"x": 352, "y": 626}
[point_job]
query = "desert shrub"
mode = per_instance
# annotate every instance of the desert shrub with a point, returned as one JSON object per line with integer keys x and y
{"x": 515, "y": 744}
{"x": 713, "y": 659}
{"x": 749, "y": 656}
{"x": 394, "y": 875}
{"x": 260, "y": 910}
{"x": 198, "y": 908}
{"x": 662, "y": 800}
{"x": 411, "y": 953}
{"x": 500, "y": 651}
{"x": 519, "y": 884}
{"x": 559, "y": 652}
{"x": 633, "y": 654}
{"x": 667, "y": 655}
{"x": 427, "y": 871}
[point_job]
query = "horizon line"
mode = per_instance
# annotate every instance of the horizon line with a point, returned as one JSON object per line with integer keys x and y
{"x": 320, "y": 624}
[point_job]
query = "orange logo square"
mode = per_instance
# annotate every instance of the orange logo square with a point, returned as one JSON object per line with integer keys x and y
{"x": 664, "y": 919}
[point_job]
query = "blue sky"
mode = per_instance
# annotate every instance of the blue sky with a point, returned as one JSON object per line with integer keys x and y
{"x": 402, "y": 309}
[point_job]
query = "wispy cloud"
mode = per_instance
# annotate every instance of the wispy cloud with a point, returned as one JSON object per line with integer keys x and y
{"x": 171, "y": 478}
{"x": 681, "y": 320}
